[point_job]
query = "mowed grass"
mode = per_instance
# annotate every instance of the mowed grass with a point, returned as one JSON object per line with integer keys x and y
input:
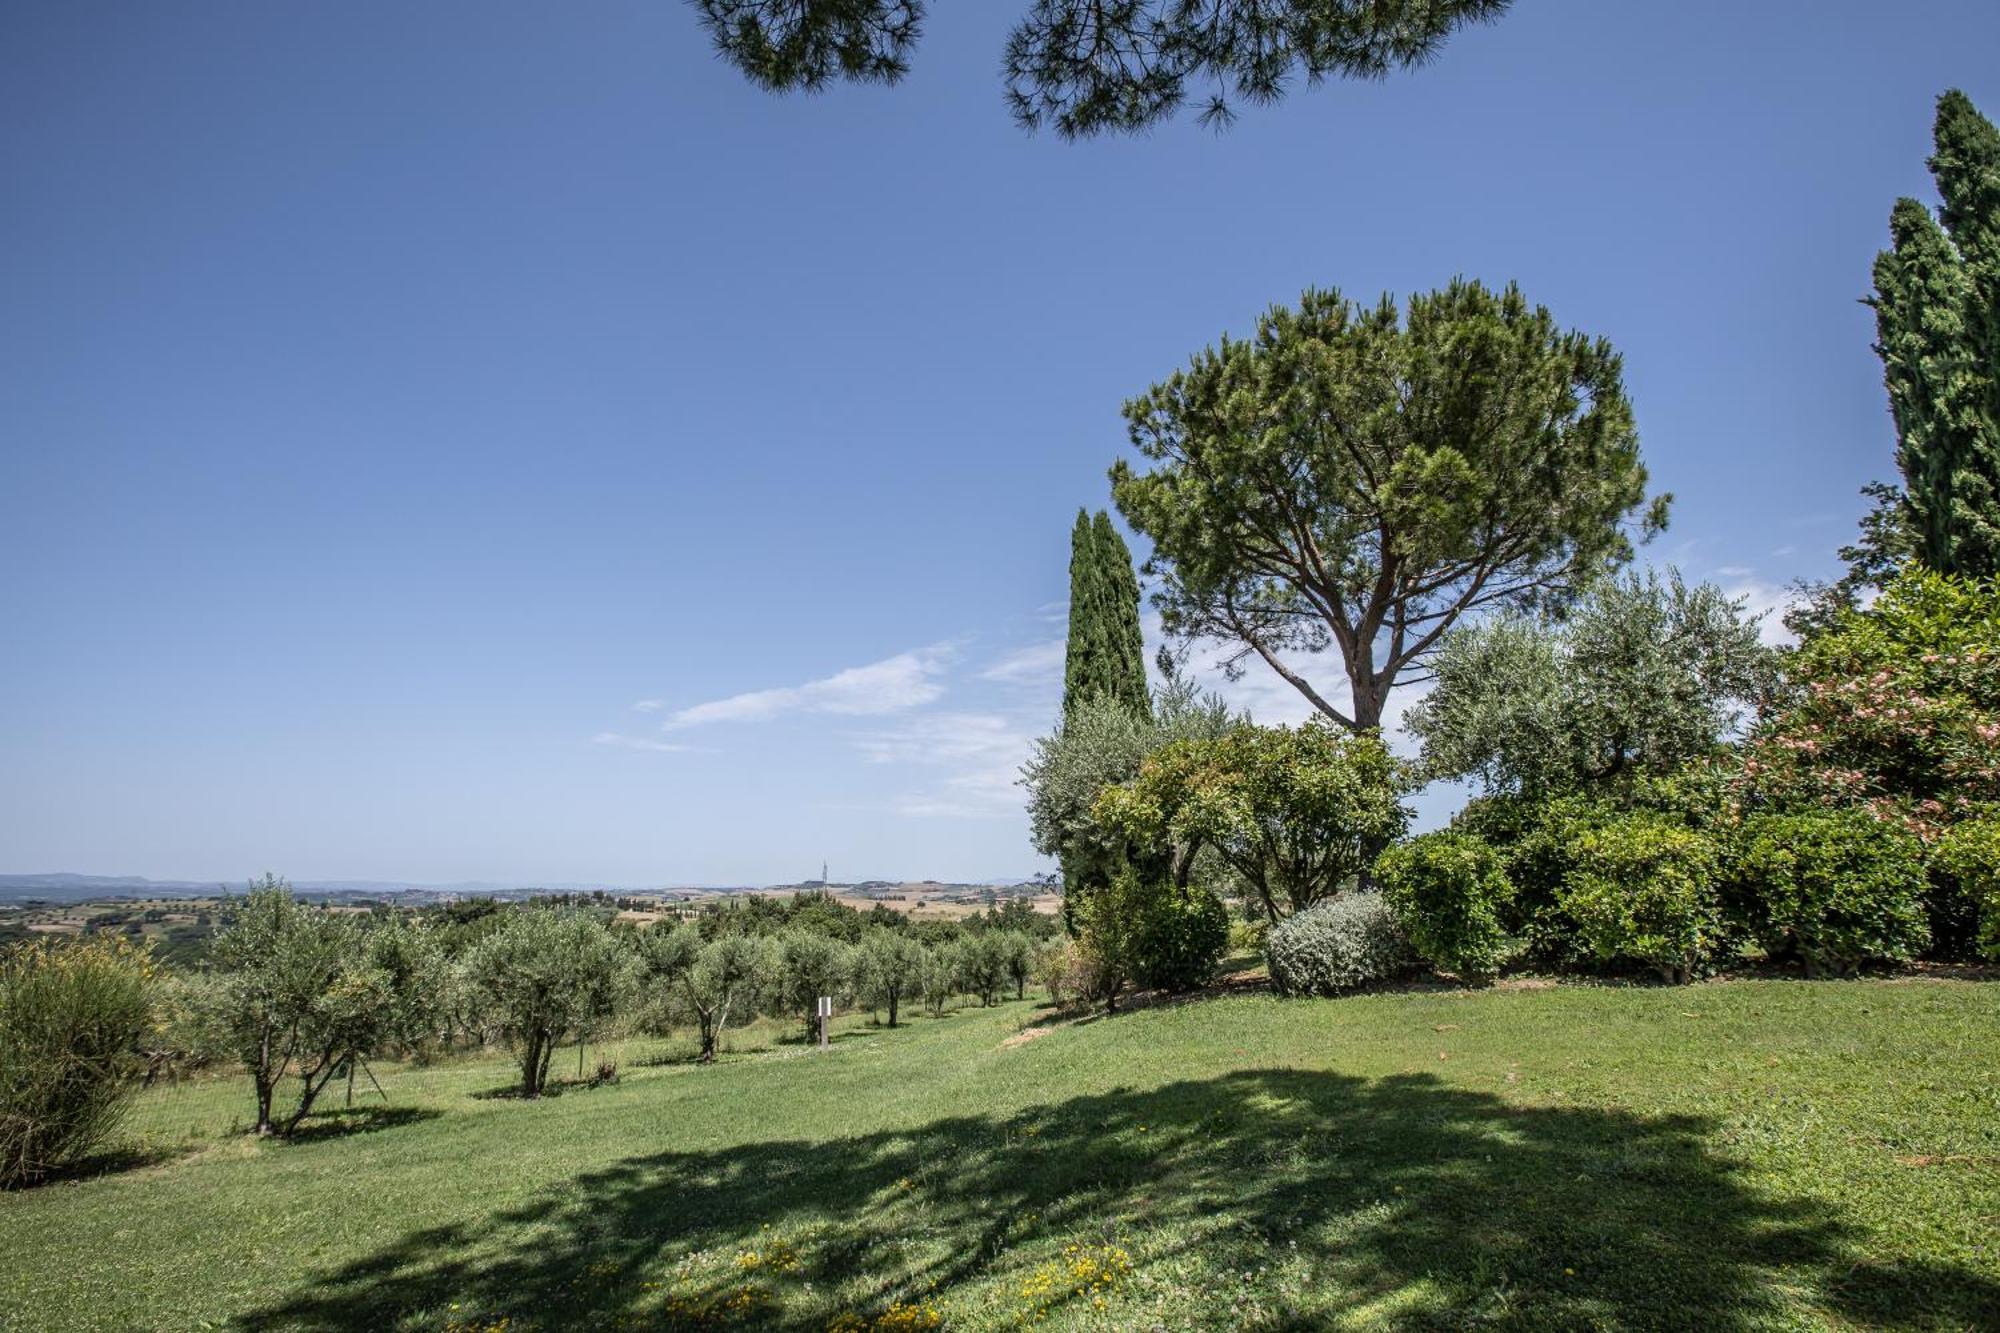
{"x": 1735, "y": 1155}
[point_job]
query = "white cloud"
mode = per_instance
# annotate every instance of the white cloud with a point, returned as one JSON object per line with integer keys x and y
{"x": 1767, "y": 600}
{"x": 943, "y": 738}
{"x": 649, "y": 705}
{"x": 639, "y": 743}
{"x": 1036, "y": 664}
{"x": 892, "y": 685}
{"x": 986, "y": 749}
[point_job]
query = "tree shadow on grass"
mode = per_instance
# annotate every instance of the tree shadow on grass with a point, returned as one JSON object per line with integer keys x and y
{"x": 1275, "y": 1198}
{"x": 351, "y": 1120}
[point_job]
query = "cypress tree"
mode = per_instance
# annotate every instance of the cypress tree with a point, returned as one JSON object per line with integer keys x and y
{"x": 1105, "y": 654}
{"x": 1937, "y": 315}
{"x": 1127, "y": 655}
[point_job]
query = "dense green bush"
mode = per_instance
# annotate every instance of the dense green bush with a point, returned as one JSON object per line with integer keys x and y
{"x": 72, "y": 1015}
{"x": 1536, "y": 841}
{"x": 1966, "y": 864}
{"x": 1447, "y": 891}
{"x": 1336, "y": 945}
{"x": 1834, "y": 888}
{"x": 1643, "y": 888}
{"x": 1181, "y": 935}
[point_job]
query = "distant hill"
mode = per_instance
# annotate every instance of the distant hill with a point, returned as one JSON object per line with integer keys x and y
{"x": 65, "y": 887}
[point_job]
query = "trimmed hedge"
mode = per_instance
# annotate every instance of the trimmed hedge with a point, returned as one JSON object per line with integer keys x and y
{"x": 1643, "y": 888}
{"x": 1836, "y": 888}
{"x": 1447, "y": 891}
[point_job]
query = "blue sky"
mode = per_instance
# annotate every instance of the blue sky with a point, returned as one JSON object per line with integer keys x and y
{"x": 492, "y": 441}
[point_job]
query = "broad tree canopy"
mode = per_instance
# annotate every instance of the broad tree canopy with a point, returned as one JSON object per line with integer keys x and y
{"x": 1085, "y": 66}
{"x": 1356, "y": 479}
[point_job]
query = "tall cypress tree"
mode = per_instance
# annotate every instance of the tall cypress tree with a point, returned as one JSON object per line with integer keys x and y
{"x": 1127, "y": 647}
{"x": 1937, "y": 316}
{"x": 1105, "y": 654}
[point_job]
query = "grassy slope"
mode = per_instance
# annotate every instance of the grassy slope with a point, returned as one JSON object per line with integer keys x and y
{"x": 1753, "y": 1154}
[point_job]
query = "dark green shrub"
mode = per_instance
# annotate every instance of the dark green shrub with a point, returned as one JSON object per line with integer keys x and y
{"x": 1181, "y": 935}
{"x": 72, "y": 1016}
{"x": 1966, "y": 865}
{"x": 1537, "y": 843}
{"x": 1835, "y": 888}
{"x": 1336, "y": 945}
{"x": 1447, "y": 891}
{"x": 1643, "y": 888}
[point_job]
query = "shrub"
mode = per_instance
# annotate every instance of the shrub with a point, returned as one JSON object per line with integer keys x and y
{"x": 1447, "y": 891}
{"x": 72, "y": 1014}
{"x": 1067, "y": 970}
{"x": 1182, "y": 934}
{"x": 1967, "y": 859}
{"x": 1643, "y": 888}
{"x": 1337, "y": 945}
{"x": 1834, "y": 887}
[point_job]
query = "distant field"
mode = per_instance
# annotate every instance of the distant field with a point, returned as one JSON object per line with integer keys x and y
{"x": 1738, "y": 1155}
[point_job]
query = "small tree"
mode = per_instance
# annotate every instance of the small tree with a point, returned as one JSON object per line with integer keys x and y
{"x": 710, "y": 981}
{"x": 1017, "y": 959}
{"x": 810, "y": 965}
{"x": 982, "y": 966}
{"x": 888, "y": 969}
{"x": 72, "y": 1016}
{"x": 1296, "y": 812}
{"x": 281, "y": 961}
{"x": 937, "y": 978}
{"x": 544, "y": 975}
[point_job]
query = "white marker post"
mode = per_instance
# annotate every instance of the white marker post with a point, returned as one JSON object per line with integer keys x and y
{"x": 825, "y": 1016}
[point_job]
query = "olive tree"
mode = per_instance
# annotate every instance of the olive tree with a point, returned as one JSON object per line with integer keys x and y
{"x": 708, "y": 980}
{"x": 810, "y": 965}
{"x": 1643, "y": 675}
{"x": 888, "y": 969}
{"x": 294, "y": 990}
{"x": 543, "y": 976}
{"x": 1356, "y": 478}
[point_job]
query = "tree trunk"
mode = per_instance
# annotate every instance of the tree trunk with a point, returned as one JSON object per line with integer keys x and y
{"x": 264, "y": 1090}
{"x": 892, "y": 1008}
{"x": 531, "y": 1066}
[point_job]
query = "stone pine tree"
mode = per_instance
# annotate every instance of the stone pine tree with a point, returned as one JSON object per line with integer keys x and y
{"x": 1355, "y": 479}
{"x": 1105, "y": 653}
{"x": 1937, "y": 315}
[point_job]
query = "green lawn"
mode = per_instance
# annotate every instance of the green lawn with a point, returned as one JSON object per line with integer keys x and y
{"x": 1739, "y": 1155}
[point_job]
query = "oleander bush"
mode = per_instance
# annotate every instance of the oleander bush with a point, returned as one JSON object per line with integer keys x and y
{"x": 1447, "y": 891}
{"x": 1337, "y": 945}
{"x": 1833, "y": 888}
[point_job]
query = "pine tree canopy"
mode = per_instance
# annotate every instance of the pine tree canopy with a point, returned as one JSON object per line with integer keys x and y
{"x": 1355, "y": 479}
{"x": 1105, "y": 654}
{"x": 1082, "y": 67}
{"x": 1937, "y": 317}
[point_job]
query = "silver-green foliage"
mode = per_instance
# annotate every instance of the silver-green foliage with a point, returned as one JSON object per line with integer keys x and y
{"x": 1336, "y": 945}
{"x": 544, "y": 976}
{"x": 1643, "y": 675}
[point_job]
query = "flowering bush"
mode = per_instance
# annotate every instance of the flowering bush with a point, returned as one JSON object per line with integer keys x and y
{"x": 1834, "y": 887}
{"x": 1896, "y": 708}
{"x": 1447, "y": 890}
{"x": 1644, "y": 888}
{"x": 1967, "y": 861}
{"x": 1337, "y": 945}
{"x": 72, "y": 1014}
